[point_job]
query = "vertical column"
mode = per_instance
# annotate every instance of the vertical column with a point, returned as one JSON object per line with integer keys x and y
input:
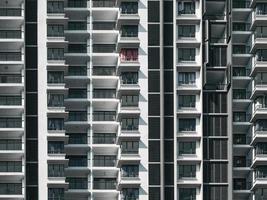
{"x": 31, "y": 99}
{"x": 155, "y": 86}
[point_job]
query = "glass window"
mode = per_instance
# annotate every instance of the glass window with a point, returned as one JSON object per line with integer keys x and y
{"x": 56, "y": 170}
{"x": 10, "y": 188}
{"x": 261, "y": 8}
{"x": 187, "y": 193}
{"x": 186, "y": 8}
{"x": 104, "y": 160}
{"x": 186, "y": 78}
{"x": 261, "y": 148}
{"x": 129, "y": 77}
{"x": 55, "y": 124}
{"x": 55, "y": 147}
{"x": 55, "y": 54}
{"x": 55, "y": 77}
{"x": 187, "y": 148}
{"x": 261, "y": 172}
{"x": 187, "y": 124}
{"x": 129, "y": 8}
{"x": 55, "y": 193}
{"x": 55, "y": 30}
{"x": 55, "y": 100}
{"x": 130, "y": 171}
{"x": 186, "y": 54}
{"x": 187, "y": 101}
{"x": 129, "y": 147}
{"x": 129, "y": 31}
{"x": 260, "y": 193}
{"x": 186, "y": 31}
{"x": 129, "y": 124}
{"x": 130, "y": 194}
{"x": 261, "y": 55}
{"x": 187, "y": 171}
{"x": 129, "y": 100}
{"x": 55, "y": 7}
{"x": 129, "y": 55}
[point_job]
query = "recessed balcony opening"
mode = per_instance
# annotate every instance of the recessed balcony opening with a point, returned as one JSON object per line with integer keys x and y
{"x": 10, "y": 55}
{"x": 78, "y": 93}
{"x": 129, "y": 55}
{"x": 56, "y": 7}
{"x": 129, "y": 147}
{"x": 77, "y": 71}
{"x": 215, "y": 10}
{"x": 186, "y": 148}
{"x": 130, "y": 171}
{"x": 241, "y": 71}
{"x": 241, "y": 184}
{"x": 104, "y": 71}
{"x": 261, "y": 149}
{"x": 260, "y": 32}
{"x": 241, "y": 161}
{"x": 186, "y": 8}
{"x": 186, "y": 31}
{"x": 77, "y": 183}
{"x": 261, "y": 172}
{"x": 129, "y": 31}
{"x": 130, "y": 194}
{"x": 104, "y": 160}
{"x": 77, "y": 116}
{"x": 218, "y": 33}
{"x": 10, "y": 11}
{"x": 129, "y": 78}
{"x": 241, "y": 49}
{"x": 241, "y": 94}
{"x": 54, "y": 30}
{"x": 104, "y": 116}
{"x": 105, "y": 184}
{"x": 261, "y": 55}
{"x": 104, "y": 3}
{"x": 10, "y": 144}
{"x": 77, "y": 3}
{"x": 241, "y": 26}
{"x": 56, "y": 170}
{"x": 55, "y": 147}
{"x": 127, "y": 8}
{"x": 216, "y": 80}
{"x": 241, "y": 4}
{"x": 77, "y": 25}
{"x": 104, "y": 25}
{"x": 129, "y": 124}
{"x": 55, "y": 124}
{"x": 77, "y": 160}
{"x": 241, "y": 117}
{"x": 260, "y": 126}
{"x": 78, "y": 138}
{"x": 217, "y": 56}
{"x": 10, "y": 122}
{"x": 10, "y": 166}
{"x": 129, "y": 101}
{"x": 77, "y": 48}
{"x": 241, "y": 139}
{"x": 261, "y": 9}
{"x": 104, "y": 48}
{"x": 260, "y": 193}
{"x": 260, "y": 78}
{"x": 104, "y": 138}
{"x": 10, "y": 188}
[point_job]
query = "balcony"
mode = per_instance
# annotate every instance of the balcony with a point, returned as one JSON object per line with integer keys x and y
{"x": 241, "y": 4}
{"x": 241, "y": 50}
{"x": 77, "y": 161}
{"x": 241, "y": 27}
{"x": 77, "y": 183}
{"x": 10, "y": 166}
{"x": 78, "y": 138}
{"x": 240, "y": 94}
{"x": 104, "y": 71}
{"x": 77, "y": 71}
{"x": 77, "y": 25}
{"x": 104, "y": 116}
{"x": 10, "y": 34}
{"x": 218, "y": 86}
{"x": 77, "y": 94}
{"x": 10, "y": 100}
{"x": 10, "y": 189}
{"x": 241, "y": 72}
{"x": 77, "y": 3}
{"x": 128, "y": 14}
{"x": 104, "y": 138}
{"x": 10, "y": 56}
{"x": 241, "y": 139}
{"x": 104, "y": 184}
{"x": 104, "y": 48}
{"x": 6, "y": 122}
{"x": 104, "y": 3}
{"x": 240, "y": 162}
{"x": 241, "y": 117}
{"x": 104, "y": 93}
{"x": 10, "y": 12}
{"x": 77, "y": 116}
{"x": 104, "y": 161}
{"x": 10, "y": 145}
{"x": 104, "y": 26}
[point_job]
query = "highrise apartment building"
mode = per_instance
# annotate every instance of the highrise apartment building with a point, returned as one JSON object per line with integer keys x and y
{"x": 133, "y": 99}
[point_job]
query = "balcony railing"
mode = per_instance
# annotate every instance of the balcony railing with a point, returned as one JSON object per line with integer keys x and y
{"x": 241, "y": 94}
{"x": 77, "y": 71}
{"x": 104, "y": 116}
{"x": 241, "y": 71}
{"x": 10, "y": 78}
{"x": 241, "y": 49}
{"x": 10, "y": 166}
{"x": 78, "y": 94}
{"x": 104, "y": 71}
{"x": 104, "y": 25}
{"x": 78, "y": 116}
{"x": 10, "y": 122}
{"x": 10, "y": 188}
{"x": 10, "y": 34}
{"x": 106, "y": 161}
{"x": 241, "y": 117}
{"x": 104, "y": 139}
{"x": 241, "y": 4}
{"x": 10, "y": 56}
{"x": 105, "y": 184}
{"x": 77, "y": 3}
{"x": 104, "y": 48}
{"x": 10, "y": 144}
{"x": 104, "y": 94}
{"x": 79, "y": 25}
{"x": 241, "y": 26}
{"x": 12, "y": 12}
{"x": 104, "y": 3}
{"x": 215, "y": 86}
{"x": 10, "y": 100}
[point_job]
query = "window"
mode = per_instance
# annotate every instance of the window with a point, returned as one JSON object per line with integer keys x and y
{"x": 129, "y": 31}
{"x": 186, "y": 54}
{"x": 129, "y": 171}
{"x": 129, "y": 55}
{"x": 104, "y": 138}
{"x": 55, "y": 30}
{"x": 55, "y": 100}
{"x": 215, "y": 172}
{"x": 261, "y": 172}
{"x": 10, "y": 188}
{"x": 77, "y": 25}
{"x": 10, "y": 166}
{"x": 129, "y": 100}
{"x": 104, "y": 183}
{"x": 77, "y": 161}
{"x": 129, "y": 77}
{"x": 186, "y": 8}
{"x": 260, "y": 193}
{"x": 261, "y": 8}
{"x": 187, "y": 124}
{"x": 55, "y": 193}
{"x": 55, "y": 147}
{"x": 187, "y": 101}
{"x": 261, "y": 125}
{"x": 218, "y": 56}
{"x": 261, "y": 55}
{"x": 261, "y": 148}
{"x": 186, "y": 31}
{"x": 10, "y": 144}
{"x": 55, "y": 7}
{"x": 261, "y": 78}
{"x": 187, "y": 193}
{"x": 186, "y": 78}
{"x": 130, "y": 194}
{"x": 129, "y": 147}
{"x": 187, "y": 148}
{"x": 55, "y": 54}
{"x": 104, "y": 161}
{"x": 129, "y": 8}
{"x": 77, "y": 183}
{"x": 215, "y": 148}
{"x": 56, "y": 170}
{"x": 77, "y": 93}
{"x": 187, "y": 171}
{"x": 55, "y": 124}
{"x": 77, "y": 70}
{"x": 261, "y": 32}
{"x": 129, "y": 124}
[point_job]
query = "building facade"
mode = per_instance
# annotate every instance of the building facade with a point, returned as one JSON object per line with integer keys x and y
{"x": 133, "y": 100}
